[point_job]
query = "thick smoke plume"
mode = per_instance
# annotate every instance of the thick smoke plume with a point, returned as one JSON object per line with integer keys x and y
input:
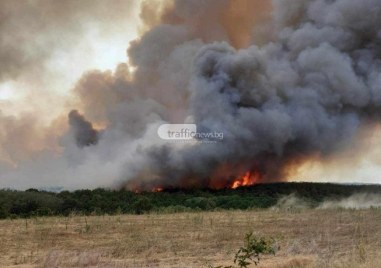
{"x": 284, "y": 81}
{"x": 83, "y": 131}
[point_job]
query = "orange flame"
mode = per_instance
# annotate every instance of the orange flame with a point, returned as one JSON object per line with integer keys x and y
{"x": 223, "y": 177}
{"x": 157, "y": 189}
{"x": 246, "y": 180}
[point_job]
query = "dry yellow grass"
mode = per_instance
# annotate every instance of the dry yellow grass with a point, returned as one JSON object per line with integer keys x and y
{"x": 307, "y": 238}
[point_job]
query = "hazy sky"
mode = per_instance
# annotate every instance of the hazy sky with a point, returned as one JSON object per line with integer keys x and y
{"x": 47, "y": 45}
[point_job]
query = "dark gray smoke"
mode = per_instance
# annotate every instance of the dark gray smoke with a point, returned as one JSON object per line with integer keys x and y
{"x": 307, "y": 92}
{"x": 83, "y": 131}
{"x": 303, "y": 82}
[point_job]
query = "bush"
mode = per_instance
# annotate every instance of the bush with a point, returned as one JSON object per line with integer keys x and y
{"x": 142, "y": 205}
{"x": 174, "y": 209}
{"x": 200, "y": 202}
{"x": 252, "y": 250}
{"x": 3, "y": 213}
{"x": 43, "y": 211}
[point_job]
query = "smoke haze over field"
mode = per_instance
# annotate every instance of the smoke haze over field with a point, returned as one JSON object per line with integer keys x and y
{"x": 292, "y": 84}
{"x": 361, "y": 200}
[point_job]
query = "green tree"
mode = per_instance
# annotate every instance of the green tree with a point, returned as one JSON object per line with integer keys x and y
{"x": 142, "y": 205}
{"x": 3, "y": 213}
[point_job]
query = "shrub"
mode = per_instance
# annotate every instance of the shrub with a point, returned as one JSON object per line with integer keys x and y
{"x": 142, "y": 205}
{"x": 200, "y": 202}
{"x": 3, "y": 213}
{"x": 252, "y": 250}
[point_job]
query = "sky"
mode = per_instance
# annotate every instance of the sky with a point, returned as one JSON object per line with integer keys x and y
{"x": 48, "y": 45}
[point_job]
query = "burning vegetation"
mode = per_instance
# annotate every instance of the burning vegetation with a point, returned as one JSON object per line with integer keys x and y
{"x": 220, "y": 180}
{"x": 248, "y": 179}
{"x": 285, "y": 81}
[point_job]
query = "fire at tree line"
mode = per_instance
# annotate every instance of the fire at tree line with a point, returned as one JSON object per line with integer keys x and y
{"x": 32, "y": 202}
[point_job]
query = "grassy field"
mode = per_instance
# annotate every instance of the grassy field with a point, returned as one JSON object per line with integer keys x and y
{"x": 306, "y": 238}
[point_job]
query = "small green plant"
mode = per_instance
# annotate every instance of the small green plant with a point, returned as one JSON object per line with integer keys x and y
{"x": 252, "y": 250}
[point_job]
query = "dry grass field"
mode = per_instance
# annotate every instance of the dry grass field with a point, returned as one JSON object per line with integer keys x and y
{"x": 306, "y": 238}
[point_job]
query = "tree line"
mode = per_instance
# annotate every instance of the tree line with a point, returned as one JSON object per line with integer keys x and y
{"x": 33, "y": 202}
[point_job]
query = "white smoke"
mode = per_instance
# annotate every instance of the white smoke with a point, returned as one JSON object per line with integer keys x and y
{"x": 291, "y": 202}
{"x": 356, "y": 201}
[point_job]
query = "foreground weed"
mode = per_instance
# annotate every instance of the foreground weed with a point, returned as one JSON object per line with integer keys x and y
{"x": 251, "y": 252}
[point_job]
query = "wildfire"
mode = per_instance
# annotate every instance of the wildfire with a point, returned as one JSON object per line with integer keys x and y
{"x": 246, "y": 180}
{"x": 224, "y": 177}
{"x": 157, "y": 189}
{"x": 154, "y": 190}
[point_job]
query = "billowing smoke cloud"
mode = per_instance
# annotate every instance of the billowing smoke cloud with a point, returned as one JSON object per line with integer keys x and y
{"x": 299, "y": 79}
{"x": 308, "y": 92}
{"x": 83, "y": 131}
